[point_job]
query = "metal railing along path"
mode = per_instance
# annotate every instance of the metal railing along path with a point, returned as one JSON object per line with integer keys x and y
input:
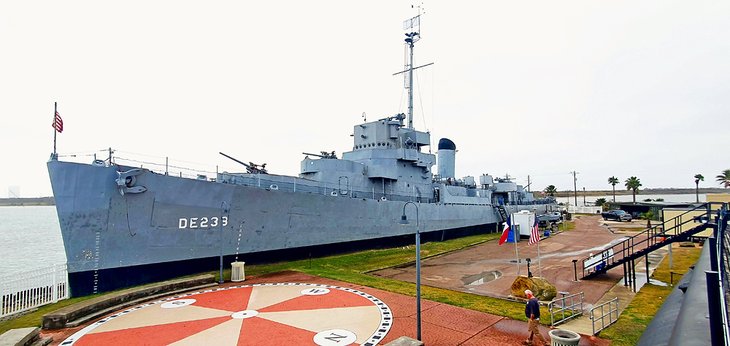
{"x": 24, "y": 291}
{"x": 608, "y": 315}
{"x": 648, "y": 240}
{"x": 718, "y": 285}
{"x": 568, "y": 306}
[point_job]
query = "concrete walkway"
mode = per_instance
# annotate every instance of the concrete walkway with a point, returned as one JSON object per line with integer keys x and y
{"x": 625, "y": 294}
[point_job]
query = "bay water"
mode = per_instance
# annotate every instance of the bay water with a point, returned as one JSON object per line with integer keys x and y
{"x": 30, "y": 239}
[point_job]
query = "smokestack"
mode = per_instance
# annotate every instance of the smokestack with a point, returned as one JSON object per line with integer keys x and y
{"x": 447, "y": 158}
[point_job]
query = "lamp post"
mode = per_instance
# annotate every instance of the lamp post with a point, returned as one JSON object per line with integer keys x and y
{"x": 404, "y": 221}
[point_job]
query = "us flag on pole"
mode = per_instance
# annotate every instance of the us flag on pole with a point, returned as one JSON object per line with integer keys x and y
{"x": 535, "y": 234}
{"x": 58, "y": 123}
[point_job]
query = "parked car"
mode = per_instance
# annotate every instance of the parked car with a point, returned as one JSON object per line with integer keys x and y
{"x": 618, "y": 215}
{"x": 545, "y": 219}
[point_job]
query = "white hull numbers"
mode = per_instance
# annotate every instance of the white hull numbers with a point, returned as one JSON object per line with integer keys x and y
{"x": 201, "y": 222}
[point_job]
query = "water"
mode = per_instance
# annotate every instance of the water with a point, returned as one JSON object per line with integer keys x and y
{"x": 30, "y": 238}
{"x": 675, "y": 198}
{"x": 481, "y": 278}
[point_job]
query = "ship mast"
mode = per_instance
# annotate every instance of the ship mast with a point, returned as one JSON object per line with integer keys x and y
{"x": 411, "y": 39}
{"x": 413, "y": 26}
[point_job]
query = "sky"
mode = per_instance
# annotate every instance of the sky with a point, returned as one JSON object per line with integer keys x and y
{"x": 603, "y": 88}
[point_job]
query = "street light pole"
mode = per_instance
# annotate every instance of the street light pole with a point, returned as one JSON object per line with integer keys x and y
{"x": 575, "y": 188}
{"x": 404, "y": 221}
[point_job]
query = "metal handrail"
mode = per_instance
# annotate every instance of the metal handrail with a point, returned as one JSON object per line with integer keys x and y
{"x": 612, "y": 314}
{"x": 650, "y": 237}
{"x": 723, "y": 256}
{"x": 28, "y": 290}
{"x": 574, "y": 308}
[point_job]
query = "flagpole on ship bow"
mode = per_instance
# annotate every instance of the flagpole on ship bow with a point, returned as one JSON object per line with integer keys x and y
{"x": 54, "y": 156}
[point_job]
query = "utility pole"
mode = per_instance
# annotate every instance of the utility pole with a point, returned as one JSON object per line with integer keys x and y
{"x": 528, "y": 184}
{"x": 575, "y": 187}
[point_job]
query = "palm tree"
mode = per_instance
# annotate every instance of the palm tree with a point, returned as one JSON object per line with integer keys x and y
{"x": 724, "y": 178}
{"x": 698, "y": 179}
{"x": 551, "y": 190}
{"x": 613, "y": 181}
{"x": 633, "y": 184}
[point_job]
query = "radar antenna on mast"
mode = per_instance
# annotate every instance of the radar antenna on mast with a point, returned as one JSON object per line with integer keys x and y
{"x": 412, "y": 27}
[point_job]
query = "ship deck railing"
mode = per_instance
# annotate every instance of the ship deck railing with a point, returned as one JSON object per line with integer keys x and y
{"x": 157, "y": 164}
{"x": 294, "y": 184}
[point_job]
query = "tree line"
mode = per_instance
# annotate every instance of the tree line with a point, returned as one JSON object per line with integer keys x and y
{"x": 633, "y": 184}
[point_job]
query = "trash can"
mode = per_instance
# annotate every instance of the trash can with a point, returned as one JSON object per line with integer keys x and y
{"x": 237, "y": 272}
{"x": 562, "y": 337}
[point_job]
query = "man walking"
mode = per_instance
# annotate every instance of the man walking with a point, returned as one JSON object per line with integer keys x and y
{"x": 532, "y": 312}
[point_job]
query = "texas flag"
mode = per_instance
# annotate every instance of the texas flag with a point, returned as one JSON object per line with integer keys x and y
{"x": 505, "y": 231}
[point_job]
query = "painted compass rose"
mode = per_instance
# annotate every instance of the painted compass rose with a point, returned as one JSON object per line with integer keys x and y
{"x": 260, "y": 314}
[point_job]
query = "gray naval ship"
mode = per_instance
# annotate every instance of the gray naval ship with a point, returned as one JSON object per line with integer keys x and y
{"x": 125, "y": 225}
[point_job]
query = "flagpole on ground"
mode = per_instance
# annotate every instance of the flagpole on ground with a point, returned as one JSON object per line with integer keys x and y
{"x": 55, "y": 111}
{"x": 535, "y": 238}
{"x": 539, "y": 266}
{"x": 517, "y": 253}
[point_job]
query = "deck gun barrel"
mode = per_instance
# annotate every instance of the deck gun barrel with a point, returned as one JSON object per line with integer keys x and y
{"x": 323, "y": 155}
{"x": 250, "y": 167}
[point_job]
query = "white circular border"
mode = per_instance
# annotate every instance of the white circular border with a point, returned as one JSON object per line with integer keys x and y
{"x": 386, "y": 316}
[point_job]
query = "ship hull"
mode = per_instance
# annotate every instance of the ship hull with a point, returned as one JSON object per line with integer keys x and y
{"x": 179, "y": 226}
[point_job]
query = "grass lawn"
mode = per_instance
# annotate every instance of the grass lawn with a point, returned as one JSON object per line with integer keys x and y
{"x": 636, "y": 317}
{"x": 354, "y": 268}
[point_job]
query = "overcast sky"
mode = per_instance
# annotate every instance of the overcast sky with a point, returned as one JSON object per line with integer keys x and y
{"x": 543, "y": 88}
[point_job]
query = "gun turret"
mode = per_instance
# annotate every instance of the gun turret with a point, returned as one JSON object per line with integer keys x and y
{"x": 251, "y": 167}
{"x": 323, "y": 155}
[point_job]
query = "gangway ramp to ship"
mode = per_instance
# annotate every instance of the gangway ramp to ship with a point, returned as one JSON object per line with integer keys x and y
{"x": 632, "y": 248}
{"x": 502, "y": 213}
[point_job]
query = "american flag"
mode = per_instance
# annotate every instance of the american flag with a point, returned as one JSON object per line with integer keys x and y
{"x": 58, "y": 123}
{"x": 535, "y": 234}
